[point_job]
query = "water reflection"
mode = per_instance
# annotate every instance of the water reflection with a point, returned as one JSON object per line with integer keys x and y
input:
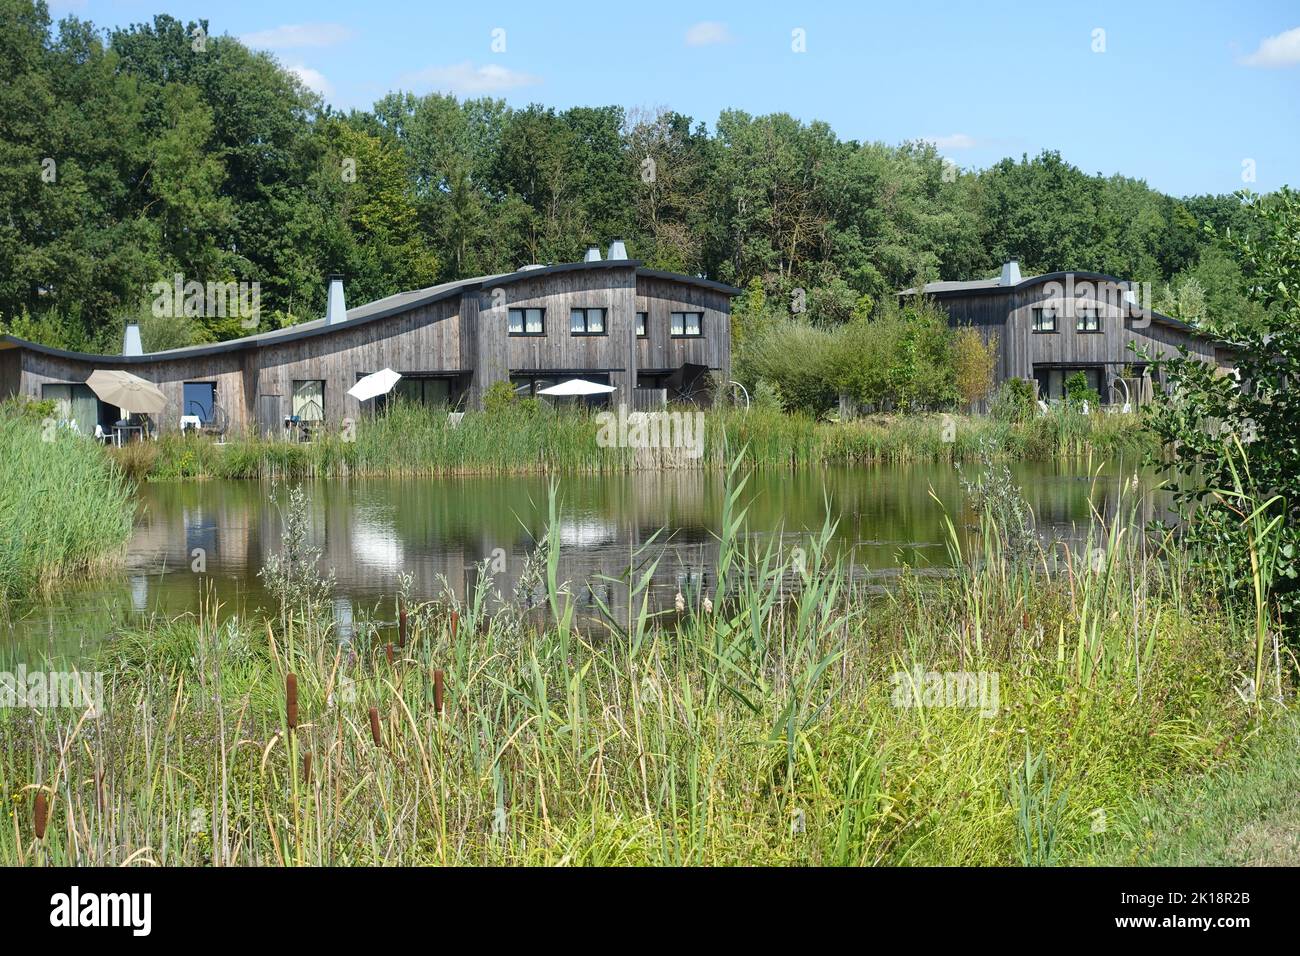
{"x": 370, "y": 531}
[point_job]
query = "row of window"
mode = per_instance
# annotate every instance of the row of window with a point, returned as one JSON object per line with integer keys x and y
{"x": 592, "y": 322}
{"x": 1086, "y": 319}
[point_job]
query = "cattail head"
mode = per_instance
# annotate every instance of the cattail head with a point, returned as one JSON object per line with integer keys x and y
{"x": 401, "y": 627}
{"x": 455, "y": 624}
{"x": 374, "y": 727}
{"x": 40, "y": 814}
{"x": 438, "y": 691}
{"x": 388, "y": 651}
{"x": 291, "y": 700}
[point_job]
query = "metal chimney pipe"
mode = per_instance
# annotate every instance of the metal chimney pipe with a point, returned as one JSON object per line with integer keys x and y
{"x": 617, "y": 250}
{"x": 593, "y": 254}
{"x": 336, "y": 309}
{"x": 131, "y": 340}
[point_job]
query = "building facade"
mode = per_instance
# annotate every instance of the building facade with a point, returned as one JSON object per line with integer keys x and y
{"x": 605, "y": 320}
{"x": 1049, "y": 327}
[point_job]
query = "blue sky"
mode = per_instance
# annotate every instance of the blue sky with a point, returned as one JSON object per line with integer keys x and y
{"x": 1189, "y": 96}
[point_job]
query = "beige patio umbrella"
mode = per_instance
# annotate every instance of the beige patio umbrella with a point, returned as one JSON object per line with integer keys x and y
{"x": 128, "y": 392}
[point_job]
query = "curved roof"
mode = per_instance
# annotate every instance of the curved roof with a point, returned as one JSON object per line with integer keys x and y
{"x": 372, "y": 311}
{"x": 995, "y": 286}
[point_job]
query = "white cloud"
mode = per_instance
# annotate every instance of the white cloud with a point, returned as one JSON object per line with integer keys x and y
{"x": 707, "y": 33}
{"x": 312, "y": 79}
{"x": 297, "y": 35}
{"x": 1281, "y": 50}
{"x": 468, "y": 79}
{"x": 953, "y": 141}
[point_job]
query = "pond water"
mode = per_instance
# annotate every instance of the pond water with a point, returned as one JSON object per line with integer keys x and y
{"x": 193, "y": 536}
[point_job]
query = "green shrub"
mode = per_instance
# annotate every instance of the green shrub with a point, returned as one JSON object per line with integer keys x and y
{"x": 1014, "y": 401}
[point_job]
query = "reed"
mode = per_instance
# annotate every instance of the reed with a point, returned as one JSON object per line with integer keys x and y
{"x": 787, "y": 714}
{"x": 411, "y": 441}
{"x": 65, "y": 510}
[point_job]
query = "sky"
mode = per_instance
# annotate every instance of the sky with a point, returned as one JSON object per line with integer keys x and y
{"x": 1192, "y": 97}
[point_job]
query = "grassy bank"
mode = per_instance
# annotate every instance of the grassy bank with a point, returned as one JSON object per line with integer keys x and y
{"x": 412, "y": 441}
{"x": 65, "y": 509}
{"x": 1244, "y": 814}
{"x": 766, "y": 725}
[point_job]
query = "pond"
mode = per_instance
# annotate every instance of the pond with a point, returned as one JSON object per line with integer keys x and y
{"x": 193, "y": 536}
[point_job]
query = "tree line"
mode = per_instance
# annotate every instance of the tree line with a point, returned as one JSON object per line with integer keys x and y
{"x": 130, "y": 155}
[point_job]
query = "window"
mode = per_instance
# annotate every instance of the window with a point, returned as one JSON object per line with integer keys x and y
{"x": 527, "y": 321}
{"x": 309, "y": 400}
{"x": 1044, "y": 320}
{"x": 75, "y": 403}
{"x": 200, "y": 399}
{"x": 429, "y": 392}
{"x": 641, "y": 318}
{"x": 587, "y": 322}
{"x": 1086, "y": 318}
{"x": 687, "y": 323}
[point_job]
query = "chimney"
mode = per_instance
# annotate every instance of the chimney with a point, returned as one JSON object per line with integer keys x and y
{"x": 131, "y": 340}
{"x": 593, "y": 254}
{"x": 1010, "y": 272}
{"x": 336, "y": 309}
{"x": 617, "y": 250}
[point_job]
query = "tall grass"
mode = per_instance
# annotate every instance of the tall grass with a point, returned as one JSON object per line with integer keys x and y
{"x": 65, "y": 509}
{"x": 409, "y": 440}
{"x": 757, "y": 724}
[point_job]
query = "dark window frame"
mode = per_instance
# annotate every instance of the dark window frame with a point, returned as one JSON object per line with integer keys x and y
{"x": 523, "y": 312}
{"x": 643, "y": 325}
{"x": 1082, "y": 316}
{"x": 685, "y": 334}
{"x": 586, "y": 320}
{"x": 1039, "y": 317}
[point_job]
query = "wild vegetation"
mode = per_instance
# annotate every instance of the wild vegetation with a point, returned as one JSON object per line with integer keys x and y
{"x": 65, "y": 509}
{"x": 161, "y": 149}
{"x": 526, "y": 437}
{"x": 783, "y": 715}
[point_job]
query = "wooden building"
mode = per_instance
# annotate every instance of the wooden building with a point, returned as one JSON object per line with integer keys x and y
{"x": 1049, "y": 327}
{"x": 605, "y": 320}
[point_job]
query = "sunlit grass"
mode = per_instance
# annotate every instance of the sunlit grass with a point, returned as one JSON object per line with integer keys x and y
{"x": 410, "y": 440}
{"x": 65, "y": 509}
{"x": 758, "y": 725}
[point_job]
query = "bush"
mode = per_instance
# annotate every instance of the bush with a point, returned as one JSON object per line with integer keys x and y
{"x": 499, "y": 398}
{"x": 1078, "y": 391}
{"x": 1014, "y": 401}
{"x": 797, "y": 359}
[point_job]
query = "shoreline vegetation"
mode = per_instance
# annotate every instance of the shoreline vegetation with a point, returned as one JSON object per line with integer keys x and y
{"x": 413, "y": 441}
{"x": 755, "y": 724}
{"x": 66, "y": 511}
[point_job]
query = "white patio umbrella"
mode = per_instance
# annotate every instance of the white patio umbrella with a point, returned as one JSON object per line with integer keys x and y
{"x": 374, "y": 384}
{"x": 128, "y": 392}
{"x": 577, "y": 386}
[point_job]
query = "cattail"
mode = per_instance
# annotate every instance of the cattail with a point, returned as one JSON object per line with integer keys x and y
{"x": 437, "y": 692}
{"x": 401, "y": 627}
{"x": 40, "y": 814}
{"x": 291, "y": 700}
{"x": 388, "y": 652}
{"x": 455, "y": 624}
{"x": 374, "y": 727}
{"x": 306, "y": 768}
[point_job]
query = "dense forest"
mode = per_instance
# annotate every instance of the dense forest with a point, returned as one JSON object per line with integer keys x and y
{"x": 131, "y": 155}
